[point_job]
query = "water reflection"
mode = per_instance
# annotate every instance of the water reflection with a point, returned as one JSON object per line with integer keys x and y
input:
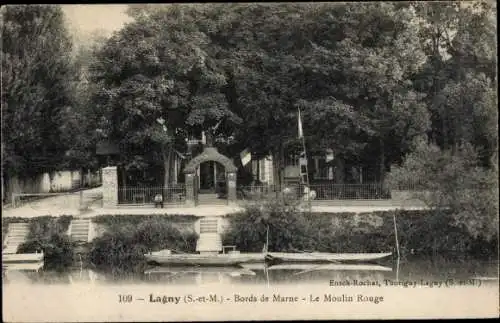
{"x": 259, "y": 274}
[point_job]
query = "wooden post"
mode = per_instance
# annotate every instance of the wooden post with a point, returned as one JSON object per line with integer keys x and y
{"x": 215, "y": 176}
{"x": 396, "y": 234}
{"x": 267, "y": 239}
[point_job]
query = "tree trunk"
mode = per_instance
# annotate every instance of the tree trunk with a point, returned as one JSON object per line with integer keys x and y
{"x": 339, "y": 171}
{"x": 382, "y": 161}
{"x": 124, "y": 176}
{"x": 282, "y": 166}
{"x": 167, "y": 162}
{"x": 276, "y": 173}
{"x": 168, "y": 152}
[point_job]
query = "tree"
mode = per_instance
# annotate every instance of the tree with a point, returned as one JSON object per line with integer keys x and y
{"x": 459, "y": 77}
{"x": 82, "y": 118}
{"x": 157, "y": 68}
{"x": 359, "y": 81}
{"x": 36, "y": 78}
{"x": 455, "y": 181}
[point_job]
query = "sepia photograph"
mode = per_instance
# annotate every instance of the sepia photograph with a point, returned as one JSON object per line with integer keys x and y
{"x": 249, "y": 161}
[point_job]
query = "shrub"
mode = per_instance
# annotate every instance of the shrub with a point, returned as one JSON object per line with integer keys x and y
{"x": 47, "y": 234}
{"x": 58, "y": 250}
{"x": 124, "y": 245}
{"x": 288, "y": 227}
{"x": 420, "y": 232}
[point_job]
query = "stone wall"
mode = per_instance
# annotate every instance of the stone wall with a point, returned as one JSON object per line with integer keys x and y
{"x": 109, "y": 187}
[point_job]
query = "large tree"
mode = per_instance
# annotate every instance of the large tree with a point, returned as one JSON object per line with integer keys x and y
{"x": 453, "y": 181}
{"x": 36, "y": 88}
{"x": 159, "y": 84}
{"x": 459, "y": 77}
{"x": 357, "y": 76}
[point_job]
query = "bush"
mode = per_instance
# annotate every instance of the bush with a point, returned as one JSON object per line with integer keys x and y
{"x": 48, "y": 234}
{"x": 420, "y": 232}
{"x": 288, "y": 228}
{"x": 123, "y": 246}
{"x": 58, "y": 250}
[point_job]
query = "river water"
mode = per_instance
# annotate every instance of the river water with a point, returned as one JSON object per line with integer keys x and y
{"x": 412, "y": 288}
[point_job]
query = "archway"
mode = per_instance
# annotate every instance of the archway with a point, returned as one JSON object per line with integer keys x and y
{"x": 209, "y": 154}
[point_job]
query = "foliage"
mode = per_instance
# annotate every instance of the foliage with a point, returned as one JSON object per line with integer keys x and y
{"x": 455, "y": 181}
{"x": 83, "y": 117}
{"x": 157, "y": 68}
{"x": 36, "y": 77}
{"x": 58, "y": 250}
{"x": 459, "y": 77}
{"x": 124, "y": 246}
{"x": 420, "y": 233}
{"x": 135, "y": 219}
{"x": 287, "y": 228}
{"x": 48, "y": 234}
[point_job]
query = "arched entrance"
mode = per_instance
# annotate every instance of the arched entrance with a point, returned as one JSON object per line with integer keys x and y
{"x": 209, "y": 154}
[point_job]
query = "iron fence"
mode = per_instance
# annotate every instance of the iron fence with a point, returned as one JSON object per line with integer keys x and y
{"x": 372, "y": 191}
{"x": 257, "y": 192}
{"x": 325, "y": 192}
{"x": 410, "y": 185}
{"x": 142, "y": 195}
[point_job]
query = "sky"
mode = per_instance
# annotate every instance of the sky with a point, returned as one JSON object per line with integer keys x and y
{"x": 89, "y": 18}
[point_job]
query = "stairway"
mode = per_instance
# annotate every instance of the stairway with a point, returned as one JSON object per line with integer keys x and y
{"x": 209, "y": 240}
{"x": 79, "y": 230}
{"x": 211, "y": 199}
{"x": 16, "y": 235}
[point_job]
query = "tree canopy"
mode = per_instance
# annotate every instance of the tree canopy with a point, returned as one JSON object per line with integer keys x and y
{"x": 372, "y": 80}
{"x": 37, "y": 74}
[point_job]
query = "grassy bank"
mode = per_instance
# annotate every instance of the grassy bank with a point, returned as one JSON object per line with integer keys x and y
{"x": 123, "y": 239}
{"x": 426, "y": 233}
{"x": 127, "y": 238}
{"x": 48, "y": 234}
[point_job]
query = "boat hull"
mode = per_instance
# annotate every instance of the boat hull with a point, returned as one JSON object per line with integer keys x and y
{"x": 325, "y": 257}
{"x": 271, "y": 257}
{"x": 19, "y": 258}
{"x": 199, "y": 269}
{"x": 317, "y": 267}
{"x": 204, "y": 260}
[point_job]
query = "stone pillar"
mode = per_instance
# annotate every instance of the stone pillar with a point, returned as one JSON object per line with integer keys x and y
{"x": 109, "y": 187}
{"x": 190, "y": 187}
{"x": 231, "y": 188}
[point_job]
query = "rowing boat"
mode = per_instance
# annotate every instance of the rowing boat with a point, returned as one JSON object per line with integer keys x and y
{"x": 317, "y": 267}
{"x": 231, "y": 271}
{"x": 19, "y": 258}
{"x": 229, "y": 259}
{"x": 165, "y": 257}
{"x": 325, "y": 257}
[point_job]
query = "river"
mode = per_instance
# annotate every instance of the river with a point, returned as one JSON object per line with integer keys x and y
{"x": 414, "y": 288}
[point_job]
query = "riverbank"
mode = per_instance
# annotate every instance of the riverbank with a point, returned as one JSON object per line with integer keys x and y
{"x": 121, "y": 240}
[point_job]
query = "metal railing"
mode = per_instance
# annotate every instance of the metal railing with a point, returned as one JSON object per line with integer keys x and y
{"x": 142, "y": 195}
{"x": 410, "y": 185}
{"x": 372, "y": 191}
{"x": 257, "y": 192}
{"x": 325, "y": 192}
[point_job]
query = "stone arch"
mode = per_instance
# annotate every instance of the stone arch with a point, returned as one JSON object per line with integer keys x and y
{"x": 209, "y": 154}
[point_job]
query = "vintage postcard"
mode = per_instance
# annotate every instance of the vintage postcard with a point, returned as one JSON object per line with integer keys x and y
{"x": 249, "y": 161}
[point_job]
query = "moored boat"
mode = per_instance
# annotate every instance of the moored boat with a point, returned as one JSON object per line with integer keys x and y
{"x": 318, "y": 267}
{"x": 19, "y": 258}
{"x": 23, "y": 261}
{"x": 165, "y": 257}
{"x": 231, "y": 271}
{"x": 324, "y": 257}
{"x": 229, "y": 259}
